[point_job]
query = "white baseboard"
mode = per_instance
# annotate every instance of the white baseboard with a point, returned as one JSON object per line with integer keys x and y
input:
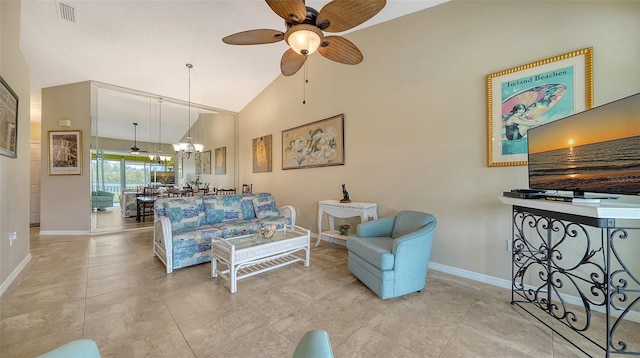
{"x": 64, "y": 232}
{"x": 632, "y": 316}
{"x": 5, "y": 285}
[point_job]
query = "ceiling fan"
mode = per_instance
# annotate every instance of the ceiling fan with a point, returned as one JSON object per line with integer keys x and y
{"x": 135, "y": 150}
{"x": 305, "y": 27}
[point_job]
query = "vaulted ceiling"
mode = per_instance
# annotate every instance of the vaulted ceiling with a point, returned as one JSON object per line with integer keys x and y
{"x": 144, "y": 45}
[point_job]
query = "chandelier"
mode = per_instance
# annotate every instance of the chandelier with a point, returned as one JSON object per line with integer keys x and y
{"x": 184, "y": 150}
{"x": 157, "y": 157}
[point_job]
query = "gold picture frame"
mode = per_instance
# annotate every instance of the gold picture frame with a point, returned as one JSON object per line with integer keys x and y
{"x": 65, "y": 152}
{"x": 533, "y": 94}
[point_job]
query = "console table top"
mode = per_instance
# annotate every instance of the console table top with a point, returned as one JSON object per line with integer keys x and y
{"x": 354, "y": 204}
{"x": 609, "y": 209}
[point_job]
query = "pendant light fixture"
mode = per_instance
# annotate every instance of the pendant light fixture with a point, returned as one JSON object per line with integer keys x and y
{"x": 184, "y": 150}
{"x": 157, "y": 156}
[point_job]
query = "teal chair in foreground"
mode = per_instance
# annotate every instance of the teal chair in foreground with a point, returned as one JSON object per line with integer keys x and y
{"x": 391, "y": 255}
{"x": 82, "y": 348}
{"x": 101, "y": 200}
{"x": 314, "y": 344}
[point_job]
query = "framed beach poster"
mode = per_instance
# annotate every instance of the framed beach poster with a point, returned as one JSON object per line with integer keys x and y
{"x": 527, "y": 96}
{"x": 65, "y": 152}
{"x": 316, "y": 144}
{"x": 8, "y": 120}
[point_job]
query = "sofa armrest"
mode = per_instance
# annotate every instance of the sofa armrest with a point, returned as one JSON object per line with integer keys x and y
{"x": 377, "y": 228}
{"x": 163, "y": 242}
{"x": 288, "y": 211}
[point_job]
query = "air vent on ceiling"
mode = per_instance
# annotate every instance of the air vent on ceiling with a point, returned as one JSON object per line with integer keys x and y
{"x": 66, "y": 12}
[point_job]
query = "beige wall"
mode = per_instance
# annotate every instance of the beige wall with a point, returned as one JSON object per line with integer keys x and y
{"x": 65, "y": 200}
{"x": 216, "y": 130}
{"x": 415, "y": 114}
{"x": 14, "y": 172}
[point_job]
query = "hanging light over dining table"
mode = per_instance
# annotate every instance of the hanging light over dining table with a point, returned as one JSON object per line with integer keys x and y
{"x": 186, "y": 149}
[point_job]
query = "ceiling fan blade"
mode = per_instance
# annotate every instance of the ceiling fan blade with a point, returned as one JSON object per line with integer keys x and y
{"x": 254, "y": 37}
{"x": 341, "y": 50}
{"x": 341, "y": 15}
{"x": 293, "y": 11}
{"x": 291, "y": 62}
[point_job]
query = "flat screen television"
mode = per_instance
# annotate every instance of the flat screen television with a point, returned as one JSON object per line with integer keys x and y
{"x": 595, "y": 151}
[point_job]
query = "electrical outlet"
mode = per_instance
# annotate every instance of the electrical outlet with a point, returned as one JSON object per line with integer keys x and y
{"x": 12, "y": 237}
{"x": 509, "y": 245}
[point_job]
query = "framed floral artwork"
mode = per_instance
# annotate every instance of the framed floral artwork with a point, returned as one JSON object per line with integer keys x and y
{"x": 527, "y": 96}
{"x": 65, "y": 152}
{"x": 316, "y": 144}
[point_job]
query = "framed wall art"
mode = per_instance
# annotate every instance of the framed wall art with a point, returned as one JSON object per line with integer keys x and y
{"x": 533, "y": 94}
{"x": 317, "y": 144}
{"x": 261, "y": 149}
{"x": 8, "y": 120}
{"x": 221, "y": 160}
{"x": 206, "y": 162}
{"x": 65, "y": 152}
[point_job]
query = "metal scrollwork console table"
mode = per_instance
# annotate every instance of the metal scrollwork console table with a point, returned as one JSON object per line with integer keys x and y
{"x": 570, "y": 260}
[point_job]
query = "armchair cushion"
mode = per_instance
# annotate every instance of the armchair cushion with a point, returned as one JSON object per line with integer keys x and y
{"x": 380, "y": 227}
{"x": 374, "y": 250}
{"x": 409, "y": 222}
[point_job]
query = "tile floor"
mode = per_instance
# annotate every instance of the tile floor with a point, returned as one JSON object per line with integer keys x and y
{"x": 111, "y": 289}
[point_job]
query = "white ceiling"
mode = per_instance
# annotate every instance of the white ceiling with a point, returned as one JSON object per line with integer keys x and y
{"x": 145, "y": 44}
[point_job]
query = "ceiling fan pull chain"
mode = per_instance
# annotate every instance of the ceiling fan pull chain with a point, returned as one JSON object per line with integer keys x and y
{"x": 304, "y": 84}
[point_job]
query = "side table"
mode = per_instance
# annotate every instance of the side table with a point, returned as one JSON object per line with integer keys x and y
{"x": 336, "y": 209}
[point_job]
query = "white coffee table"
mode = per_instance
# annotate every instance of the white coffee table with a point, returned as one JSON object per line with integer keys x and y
{"x": 249, "y": 255}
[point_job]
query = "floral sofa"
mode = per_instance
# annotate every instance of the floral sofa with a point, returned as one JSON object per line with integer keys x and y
{"x": 128, "y": 204}
{"x": 183, "y": 227}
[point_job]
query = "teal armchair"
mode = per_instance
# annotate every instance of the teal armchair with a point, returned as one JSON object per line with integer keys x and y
{"x": 82, "y": 348}
{"x": 314, "y": 344}
{"x": 391, "y": 255}
{"x": 101, "y": 199}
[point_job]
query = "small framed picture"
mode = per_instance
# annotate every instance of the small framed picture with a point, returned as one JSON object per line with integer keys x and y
{"x": 65, "y": 152}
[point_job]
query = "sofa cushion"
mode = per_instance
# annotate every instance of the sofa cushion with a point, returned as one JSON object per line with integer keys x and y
{"x": 265, "y": 207}
{"x": 375, "y": 250}
{"x": 248, "y": 212}
{"x": 233, "y": 228}
{"x": 184, "y": 213}
{"x": 213, "y": 213}
{"x": 231, "y": 206}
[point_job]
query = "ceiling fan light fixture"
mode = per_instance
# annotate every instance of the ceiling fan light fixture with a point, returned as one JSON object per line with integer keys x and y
{"x": 304, "y": 39}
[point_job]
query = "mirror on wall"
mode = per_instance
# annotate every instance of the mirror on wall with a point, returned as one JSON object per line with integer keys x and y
{"x": 132, "y": 160}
